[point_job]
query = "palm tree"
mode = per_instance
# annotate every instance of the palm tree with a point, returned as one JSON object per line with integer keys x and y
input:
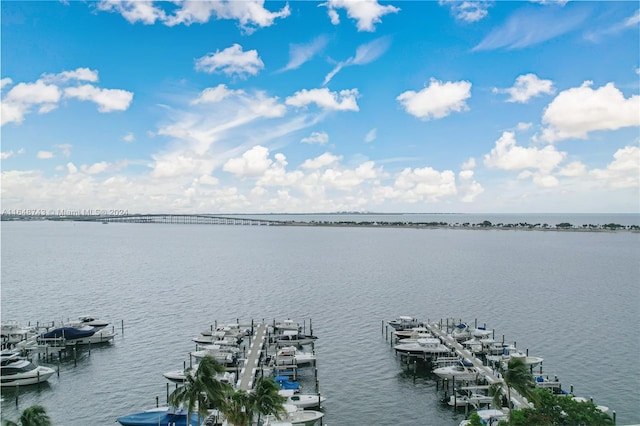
{"x": 517, "y": 377}
{"x": 237, "y": 409}
{"x": 265, "y": 398}
{"x": 35, "y": 415}
{"x": 201, "y": 388}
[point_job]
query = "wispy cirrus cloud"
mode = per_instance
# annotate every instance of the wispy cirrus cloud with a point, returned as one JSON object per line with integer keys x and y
{"x": 615, "y": 28}
{"x": 301, "y": 53}
{"x": 529, "y": 26}
{"x": 365, "y": 53}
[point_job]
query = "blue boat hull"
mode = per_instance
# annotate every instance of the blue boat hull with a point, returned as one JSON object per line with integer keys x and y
{"x": 160, "y": 418}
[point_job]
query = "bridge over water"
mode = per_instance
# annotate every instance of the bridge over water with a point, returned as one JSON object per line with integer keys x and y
{"x": 183, "y": 219}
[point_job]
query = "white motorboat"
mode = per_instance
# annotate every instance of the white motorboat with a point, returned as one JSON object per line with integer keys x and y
{"x": 287, "y": 324}
{"x": 530, "y": 361}
{"x": 463, "y": 370}
{"x": 404, "y": 323}
{"x": 412, "y": 333}
{"x": 102, "y": 335}
{"x": 89, "y": 320}
{"x": 296, "y": 416}
{"x": 11, "y": 332}
{"x": 461, "y": 331}
{"x": 230, "y": 333}
{"x": 179, "y": 376}
{"x": 290, "y": 355}
{"x": 224, "y": 357}
{"x": 301, "y": 400}
{"x": 460, "y": 399}
{"x": 424, "y": 346}
{"x": 17, "y": 371}
{"x": 481, "y": 332}
{"x": 293, "y": 337}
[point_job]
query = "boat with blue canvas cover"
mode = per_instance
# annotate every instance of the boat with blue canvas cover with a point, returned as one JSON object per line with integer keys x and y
{"x": 77, "y": 335}
{"x": 286, "y": 383}
{"x": 163, "y": 416}
{"x": 68, "y": 333}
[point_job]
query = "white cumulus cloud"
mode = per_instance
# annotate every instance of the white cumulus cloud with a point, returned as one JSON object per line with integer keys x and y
{"x": 438, "y": 100}
{"x": 526, "y": 87}
{"x": 576, "y": 112}
{"x": 230, "y": 61}
{"x": 468, "y": 11}
{"x": 325, "y": 160}
{"x": 623, "y": 171}
{"x": 107, "y": 99}
{"x": 253, "y": 162}
{"x": 215, "y": 94}
{"x": 367, "y": 13}
{"x": 345, "y": 100}
{"x": 45, "y": 155}
{"x": 250, "y": 14}
{"x": 508, "y": 155}
{"x": 319, "y": 138}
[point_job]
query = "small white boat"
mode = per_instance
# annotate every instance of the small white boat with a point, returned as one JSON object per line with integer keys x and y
{"x": 89, "y": 320}
{"x": 224, "y": 357}
{"x": 231, "y": 333}
{"x": 179, "y": 376}
{"x": 404, "y": 323}
{"x": 296, "y": 416}
{"x": 461, "y": 399}
{"x": 461, "y": 331}
{"x": 17, "y": 371}
{"x": 301, "y": 400}
{"x": 412, "y": 333}
{"x": 290, "y": 355}
{"x": 530, "y": 361}
{"x": 292, "y": 337}
{"x": 11, "y": 332}
{"x": 287, "y": 324}
{"x": 481, "y": 332}
{"x": 424, "y": 346}
{"x": 463, "y": 370}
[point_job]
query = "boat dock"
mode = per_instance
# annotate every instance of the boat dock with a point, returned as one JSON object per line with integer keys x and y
{"x": 470, "y": 364}
{"x": 488, "y": 373}
{"x": 251, "y": 363}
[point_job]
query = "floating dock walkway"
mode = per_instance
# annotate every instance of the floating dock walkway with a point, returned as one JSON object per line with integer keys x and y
{"x": 250, "y": 368}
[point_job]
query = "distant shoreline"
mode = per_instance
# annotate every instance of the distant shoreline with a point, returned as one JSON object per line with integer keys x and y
{"x": 200, "y": 219}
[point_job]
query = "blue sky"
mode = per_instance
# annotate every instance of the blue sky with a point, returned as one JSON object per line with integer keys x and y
{"x": 254, "y": 107}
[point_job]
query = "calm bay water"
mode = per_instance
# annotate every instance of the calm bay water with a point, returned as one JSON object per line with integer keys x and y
{"x": 572, "y": 298}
